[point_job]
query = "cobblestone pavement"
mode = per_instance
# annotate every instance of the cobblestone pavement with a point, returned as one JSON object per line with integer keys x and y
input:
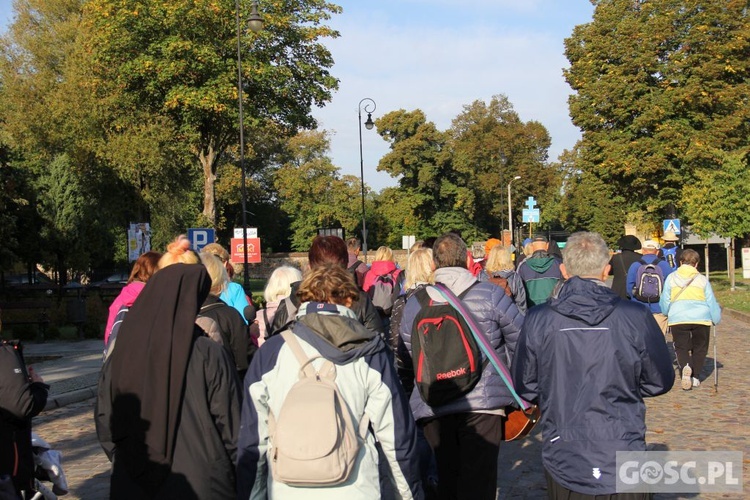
{"x": 701, "y": 419}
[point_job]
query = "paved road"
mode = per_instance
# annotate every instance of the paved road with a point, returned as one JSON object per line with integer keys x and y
{"x": 701, "y": 419}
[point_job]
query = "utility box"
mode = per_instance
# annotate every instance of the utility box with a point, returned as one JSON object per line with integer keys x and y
{"x": 746, "y": 263}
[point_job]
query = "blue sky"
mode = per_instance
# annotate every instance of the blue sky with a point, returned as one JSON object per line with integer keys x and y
{"x": 438, "y": 56}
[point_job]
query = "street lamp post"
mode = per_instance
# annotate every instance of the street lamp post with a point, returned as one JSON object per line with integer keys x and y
{"x": 369, "y": 109}
{"x": 255, "y": 23}
{"x": 510, "y": 209}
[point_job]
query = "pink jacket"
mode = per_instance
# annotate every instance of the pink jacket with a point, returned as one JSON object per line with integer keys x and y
{"x": 379, "y": 268}
{"x": 126, "y": 298}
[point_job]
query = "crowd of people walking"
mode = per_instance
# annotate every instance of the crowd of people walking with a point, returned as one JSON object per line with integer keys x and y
{"x": 370, "y": 381}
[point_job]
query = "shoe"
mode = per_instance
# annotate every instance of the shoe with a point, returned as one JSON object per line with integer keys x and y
{"x": 687, "y": 378}
{"x": 696, "y": 382}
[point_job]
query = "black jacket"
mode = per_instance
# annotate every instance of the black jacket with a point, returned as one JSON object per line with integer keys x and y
{"x": 363, "y": 308}
{"x": 20, "y": 400}
{"x": 620, "y": 263}
{"x": 206, "y": 442}
{"x": 233, "y": 330}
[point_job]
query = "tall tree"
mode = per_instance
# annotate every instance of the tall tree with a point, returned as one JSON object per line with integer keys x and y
{"x": 313, "y": 192}
{"x": 178, "y": 60}
{"x": 660, "y": 86}
{"x": 438, "y": 196}
{"x": 491, "y": 145}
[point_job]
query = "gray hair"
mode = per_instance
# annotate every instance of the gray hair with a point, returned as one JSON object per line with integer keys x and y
{"x": 280, "y": 283}
{"x": 585, "y": 254}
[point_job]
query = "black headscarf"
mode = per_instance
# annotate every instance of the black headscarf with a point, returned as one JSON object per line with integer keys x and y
{"x": 149, "y": 367}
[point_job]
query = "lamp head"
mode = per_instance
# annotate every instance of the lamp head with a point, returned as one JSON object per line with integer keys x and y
{"x": 369, "y": 123}
{"x": 255, "y": 22}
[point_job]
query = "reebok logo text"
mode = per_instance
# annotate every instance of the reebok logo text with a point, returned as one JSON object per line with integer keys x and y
{"x": 451, "y": 374}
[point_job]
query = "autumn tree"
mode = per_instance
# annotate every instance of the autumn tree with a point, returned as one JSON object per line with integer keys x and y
{"x": 177, "y": 61}
{"x": 312, "y": 191}
{"x": 661, "y": 92}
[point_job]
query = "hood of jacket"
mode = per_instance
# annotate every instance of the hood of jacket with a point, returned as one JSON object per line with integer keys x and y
{"x": 380, "y": 267}
{"x": 130, "y": 292}
{"x": 587, "y": 300}
{"x": 458, "y": 279}
{"x": 335, "y": 332}
{"x": 540, "y": 261}
{"x": 684, "y": 273}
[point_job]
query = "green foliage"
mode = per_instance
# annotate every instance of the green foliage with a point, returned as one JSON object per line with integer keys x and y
{"x": 718, "y": 200}
{"x": 177, "y": 61}
{"x": 457, "y": 180}
{"x": 659, "y": 86}
{"x": 313, "y": 192}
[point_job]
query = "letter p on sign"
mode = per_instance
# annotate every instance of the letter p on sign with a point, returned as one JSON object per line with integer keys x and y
{"x": 200, "y": 237}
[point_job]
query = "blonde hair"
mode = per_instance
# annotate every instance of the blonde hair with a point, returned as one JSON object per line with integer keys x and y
{"x": 328, "y": 283}
{"x": 179, "y": 252}
{"x": 384, "y": 253}
{"x": 280, "y": 283}
{"x": 217, "y": 272}
{"x": 499, "y": 260}
{"x": 217, "y": 250}
{"x": 419, "y": 268}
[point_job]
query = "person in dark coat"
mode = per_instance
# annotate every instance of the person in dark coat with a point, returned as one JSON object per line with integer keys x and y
{"x": 23, "y": 395}
{"x": 621, "y": 262}
{"x": 327, "y": 250}
{"x": 168, "y": 410}
{"x": 232, "y": 332}
{"x": 588, "y": 358}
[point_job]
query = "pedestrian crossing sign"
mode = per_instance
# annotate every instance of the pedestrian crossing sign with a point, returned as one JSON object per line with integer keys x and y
{"x": 672, "y": 225}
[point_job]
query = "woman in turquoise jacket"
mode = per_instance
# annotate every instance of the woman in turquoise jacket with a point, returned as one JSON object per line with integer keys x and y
{"x": 691, "y": 308}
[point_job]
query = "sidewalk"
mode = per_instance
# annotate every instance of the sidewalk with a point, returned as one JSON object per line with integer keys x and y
{"x": 71, "y": 368}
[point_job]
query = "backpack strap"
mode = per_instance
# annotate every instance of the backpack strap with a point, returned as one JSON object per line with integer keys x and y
{"x": 328, "y": 370}
{"x": 684, "y": 287}
{"x": 210, "y": 307}
{"x": 268, "y": 323}
{"x": 484, "y": 344}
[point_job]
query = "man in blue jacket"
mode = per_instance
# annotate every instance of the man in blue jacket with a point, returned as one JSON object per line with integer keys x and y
{"x": 588, "y": 358}
{"x": 650, "y": 251}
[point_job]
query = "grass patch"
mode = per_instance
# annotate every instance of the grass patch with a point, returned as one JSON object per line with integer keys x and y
{"x": 737, "y": 299}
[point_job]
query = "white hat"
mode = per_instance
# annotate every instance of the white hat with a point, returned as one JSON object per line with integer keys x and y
{"x": 670, "y": 236}
{"x": 650, "y": 244}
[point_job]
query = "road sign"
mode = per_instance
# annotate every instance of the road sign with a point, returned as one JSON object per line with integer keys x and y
{"x": 200, "y": 237}
{"x": 252, "y": 232}
{"x": 238, "y": 251}
{"x": 531, "y": 215}
{"x": 672, "y": 225}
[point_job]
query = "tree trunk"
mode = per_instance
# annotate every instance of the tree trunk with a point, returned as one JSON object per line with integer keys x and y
{"x": 207, "y": 158}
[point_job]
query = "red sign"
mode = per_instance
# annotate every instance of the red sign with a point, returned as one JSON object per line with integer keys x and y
{"x": 238, "y": 251}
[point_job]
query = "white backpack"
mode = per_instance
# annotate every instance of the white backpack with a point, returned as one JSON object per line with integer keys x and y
{"x": 313, "y": 441}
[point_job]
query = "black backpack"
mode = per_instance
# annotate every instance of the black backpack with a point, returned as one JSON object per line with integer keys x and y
{"x": 447, "y": 359}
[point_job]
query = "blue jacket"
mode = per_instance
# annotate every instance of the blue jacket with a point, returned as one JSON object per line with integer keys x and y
{"x": 633, "y": 271}
{"x": 588, "y": 358}
{"x": 499, "y": 319}
{"x": 367, "y": 380}
{"x": 696, "y": 305}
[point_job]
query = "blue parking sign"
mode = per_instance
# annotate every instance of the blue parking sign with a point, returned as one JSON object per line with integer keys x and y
{"x": 200, "y": 237}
